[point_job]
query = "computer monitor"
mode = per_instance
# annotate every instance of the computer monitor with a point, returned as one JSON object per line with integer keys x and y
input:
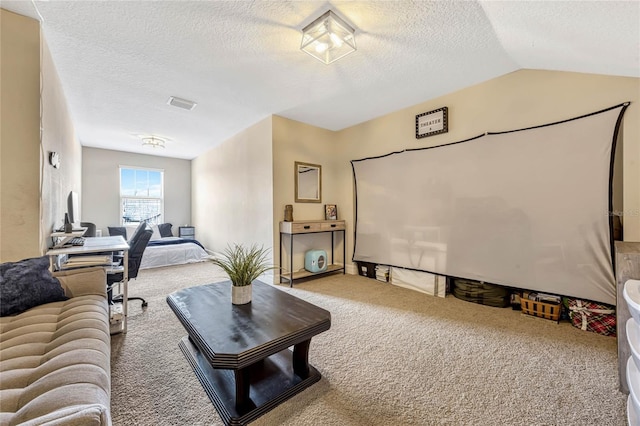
{"x": 73, "y": 207}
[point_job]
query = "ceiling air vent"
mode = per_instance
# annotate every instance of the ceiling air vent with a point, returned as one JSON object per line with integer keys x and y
{"x": 181, "y": 103}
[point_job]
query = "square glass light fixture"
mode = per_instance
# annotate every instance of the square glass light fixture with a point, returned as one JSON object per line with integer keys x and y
{"x": 328, "y": 38}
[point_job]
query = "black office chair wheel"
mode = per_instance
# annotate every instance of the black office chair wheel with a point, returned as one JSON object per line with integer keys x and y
{"x": 144, "y": 302}
{"x": 119, "y": 298}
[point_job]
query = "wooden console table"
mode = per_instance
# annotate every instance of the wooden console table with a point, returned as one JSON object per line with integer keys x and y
{"x": 312, "y": 227}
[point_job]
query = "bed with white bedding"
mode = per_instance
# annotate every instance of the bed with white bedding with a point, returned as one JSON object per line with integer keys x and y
{"x": 164, "y": 249}
{"x": 172, "y": 251}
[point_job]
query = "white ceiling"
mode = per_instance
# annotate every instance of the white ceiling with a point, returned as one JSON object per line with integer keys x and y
{"x": 120, "y": 61}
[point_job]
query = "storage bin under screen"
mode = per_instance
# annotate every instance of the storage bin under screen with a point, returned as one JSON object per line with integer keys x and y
{"x": 366, "y": 269}
{"x": 550, "y": 311}
{"x": 592, "y": 316}
{"x": 424, "y": 282}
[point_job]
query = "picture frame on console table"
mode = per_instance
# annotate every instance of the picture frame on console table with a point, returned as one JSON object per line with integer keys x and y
{"x": 330, "y": 212}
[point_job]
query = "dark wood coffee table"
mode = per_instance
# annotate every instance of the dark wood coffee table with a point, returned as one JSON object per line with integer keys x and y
{"x": 240, "y": 352}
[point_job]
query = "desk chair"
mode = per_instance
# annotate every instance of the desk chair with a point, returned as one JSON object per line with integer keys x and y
{"x": 137, "y": 244}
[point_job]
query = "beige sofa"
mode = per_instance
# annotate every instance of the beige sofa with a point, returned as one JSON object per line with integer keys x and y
{"x": 55, "y": 358}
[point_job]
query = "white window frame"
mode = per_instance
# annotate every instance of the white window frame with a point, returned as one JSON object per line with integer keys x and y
{"x": 160, "y": 219}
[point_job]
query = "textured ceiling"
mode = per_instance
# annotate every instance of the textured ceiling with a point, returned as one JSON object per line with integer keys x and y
{"x": 120, "y": 61}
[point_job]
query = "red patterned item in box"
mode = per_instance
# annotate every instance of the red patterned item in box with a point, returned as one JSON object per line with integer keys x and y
{"x": 591, "y": 316}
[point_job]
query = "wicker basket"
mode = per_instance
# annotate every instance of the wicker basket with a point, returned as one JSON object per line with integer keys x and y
{"x": 550, "y": 311}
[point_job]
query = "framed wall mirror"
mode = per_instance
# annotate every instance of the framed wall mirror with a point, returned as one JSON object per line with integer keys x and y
{"x": 308, "y": 182}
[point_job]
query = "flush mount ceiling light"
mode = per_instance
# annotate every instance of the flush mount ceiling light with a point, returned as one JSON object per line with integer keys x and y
{"x": 153, "y": 142}
{"x": 328, "y": 38}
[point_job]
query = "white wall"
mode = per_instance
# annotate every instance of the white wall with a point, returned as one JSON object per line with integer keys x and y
{"x": 100, "y": 200}
{"x": 233, "y": 190}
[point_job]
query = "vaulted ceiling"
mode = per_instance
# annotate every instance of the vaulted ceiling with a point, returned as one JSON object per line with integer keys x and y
{"x": 240, "y": 61}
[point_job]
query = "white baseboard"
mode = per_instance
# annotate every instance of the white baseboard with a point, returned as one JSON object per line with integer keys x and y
{"x": 351, "y": 269}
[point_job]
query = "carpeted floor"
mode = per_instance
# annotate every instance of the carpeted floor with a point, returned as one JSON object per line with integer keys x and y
{"x": 392, "y": 356}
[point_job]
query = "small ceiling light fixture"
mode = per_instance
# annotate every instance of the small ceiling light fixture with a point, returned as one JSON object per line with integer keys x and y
{"x": 153, "y": 142}
{"x": 328, "y": 38}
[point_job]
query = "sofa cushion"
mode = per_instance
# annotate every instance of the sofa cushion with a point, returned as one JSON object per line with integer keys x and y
{"x": 28, "y": 283}
{"x": 55, "y": 364}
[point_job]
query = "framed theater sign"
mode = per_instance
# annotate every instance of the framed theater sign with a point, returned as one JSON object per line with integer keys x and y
{"x": 432, "y": 123}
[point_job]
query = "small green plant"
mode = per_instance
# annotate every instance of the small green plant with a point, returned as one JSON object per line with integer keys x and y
{"x": 243, "y": 264}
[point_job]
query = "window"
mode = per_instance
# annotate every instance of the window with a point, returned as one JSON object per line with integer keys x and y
{"x": 141, "y": 195}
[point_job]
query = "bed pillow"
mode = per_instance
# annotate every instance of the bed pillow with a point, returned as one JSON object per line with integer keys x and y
{"x": 165, "y": 230}
{"x": 28, "y": 283}
{"x": 134, "y": 231}
{"x": 156, "y": 233}
{"x": 118, "y": 230}
{"x": 131, "y": 230}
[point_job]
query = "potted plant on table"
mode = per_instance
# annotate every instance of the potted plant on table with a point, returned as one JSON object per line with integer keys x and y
{"x": 243, "y": 265}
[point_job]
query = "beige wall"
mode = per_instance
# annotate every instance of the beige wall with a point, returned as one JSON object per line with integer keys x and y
{"x": 520, "y": 99}
{"x": 294, "y": 141}
{"x": 20, "y": 137}
{"x": 33, "y": 193}
{"x": 232, "y": 191}
{"x": 100, "y": 200}
{"x": 58, "y": 135}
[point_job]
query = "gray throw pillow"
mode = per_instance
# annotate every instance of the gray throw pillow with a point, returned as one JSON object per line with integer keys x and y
{"x": 114, "y": 231}
{"x": 27, "y": 283}
{"x": 165, "y": 230}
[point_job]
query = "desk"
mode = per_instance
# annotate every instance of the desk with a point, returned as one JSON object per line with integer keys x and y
{"x": 240, "y": 353}
{"x": 98, "y": 245}
{"x": 60, "y": 238}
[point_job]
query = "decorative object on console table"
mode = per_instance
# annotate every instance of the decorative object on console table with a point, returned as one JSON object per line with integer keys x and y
{"x": 432, "y": 123}
{"x": 288, "y": 213}
{"x": 243, "y": 265}
{"x": 315, "y": 261}
{"x": 188, "y": 232}
{"x": 330, "y": 212}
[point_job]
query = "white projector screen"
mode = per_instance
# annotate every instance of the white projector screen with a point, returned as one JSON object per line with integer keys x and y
{"x": 527, "y": 209}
